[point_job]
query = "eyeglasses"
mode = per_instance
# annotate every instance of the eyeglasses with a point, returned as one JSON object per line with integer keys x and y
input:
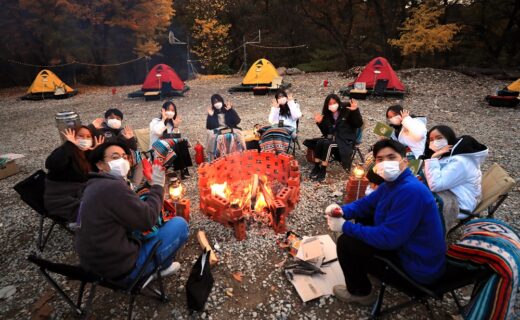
{"x": 116, "y": 156}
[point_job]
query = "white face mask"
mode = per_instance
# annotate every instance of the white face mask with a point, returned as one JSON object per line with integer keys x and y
{"x": 218, "y": 105}
{"x": 333, "y": 107}
{"x": 437, "y": 145}
{"x": 282, "y": 101}
{"x": 119, "y": 167}
{"x": 84, "y": 143}
{"x": 170, "y": 114}
{"x": 114, "y": 123}
{"x": 395, "y": 120}
{"x": 388, "y": 170}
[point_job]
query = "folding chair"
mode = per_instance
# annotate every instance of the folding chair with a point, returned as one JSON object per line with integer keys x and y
{"x": 294, "y": 141}
{"x": 496, "y": 184}
{"x": 31, "y": 191}
{"x": 224, "y": 136}
{"x": 143, "y": 139}
{"x": 166, "y": 89}
{"x": 77, "y": 273}
{"x": 456, "y": 276}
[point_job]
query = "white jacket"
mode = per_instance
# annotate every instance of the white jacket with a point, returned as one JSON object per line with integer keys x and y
{"x": 413, "y": 135}
{"x": 157, "y": 128}
{"x": 459, "y": 173}
{"x": 274, "y": 115}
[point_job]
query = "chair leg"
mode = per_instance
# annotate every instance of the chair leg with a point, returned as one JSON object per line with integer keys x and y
{"x": 90, "y": 299}
{"x": 491, "y": 210}
{"x": 80, "y": 293}
{"x": 43, "y": 240}
{"x": 40, "y": 234}
{"x": 62, "y": 293}
{"x": 131, "y": 306}
{"x": 457, "y": 302}
{"x": 376, "y": 308}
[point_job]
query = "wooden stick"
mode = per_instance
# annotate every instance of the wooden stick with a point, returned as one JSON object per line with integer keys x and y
{"x": 204, "y": 244}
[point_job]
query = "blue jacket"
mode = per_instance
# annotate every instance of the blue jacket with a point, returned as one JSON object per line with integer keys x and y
{"x": 406, "y": 220}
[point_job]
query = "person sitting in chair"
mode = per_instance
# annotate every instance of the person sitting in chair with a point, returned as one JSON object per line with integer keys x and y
{"x": 399, "y": 221}
{"x": 111, "y": 128}
{"x": 166, "y": 128}
{"x": 222, "y": 117}
{"x": 68, "y": 167}
{"x": 454, "y": 164}
{"x": 338, "y": 122}
{"x": 285, "y": 109}
{"x": 408, "y": 129}
{"x": 109, "y": 209}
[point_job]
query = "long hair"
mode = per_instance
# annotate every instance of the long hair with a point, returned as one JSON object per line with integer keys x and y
{"x": 218, "y": 98}
{"x": 341, "y": 106}
{"x": 284, "y": 109}
{"x": 80, "y": 157}
{"x": 446, "y": 132}
{"x": 165, "y": 106}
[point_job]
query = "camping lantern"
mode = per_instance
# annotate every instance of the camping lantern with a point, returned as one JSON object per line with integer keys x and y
{"x": 358, "y": 172}
{"x": 176, "y": 189}
{"x": 66, "y": 120}
{"x": 356, "y": 185}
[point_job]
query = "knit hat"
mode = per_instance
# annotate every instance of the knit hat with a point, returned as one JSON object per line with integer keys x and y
{"x": 114, "y": 111}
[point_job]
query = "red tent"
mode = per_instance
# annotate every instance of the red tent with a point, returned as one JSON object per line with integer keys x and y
{"x": 159, "y": 74}
{"x": 369, "y": 75}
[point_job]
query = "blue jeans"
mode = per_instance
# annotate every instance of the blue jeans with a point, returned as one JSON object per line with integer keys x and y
{"x": 173, "y": 235}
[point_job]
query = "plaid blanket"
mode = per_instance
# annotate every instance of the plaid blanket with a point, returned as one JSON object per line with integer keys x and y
{"x": 277, "y": 139}
{"x": 495, "y": 244}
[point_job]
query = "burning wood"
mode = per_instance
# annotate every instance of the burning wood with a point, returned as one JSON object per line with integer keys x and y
{"x": 249, "y": 186}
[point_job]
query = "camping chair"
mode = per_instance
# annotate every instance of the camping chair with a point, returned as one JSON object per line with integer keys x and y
{"x": 224, "y": 136}
{"x": 496, "y": 184}
{"x": 333, "y": 154}
{"x": 166, "y": 89}
{"x": 77, "y": 273}
{"x": 294, "y": 141}
{"x": 31, "y": 192}
{"x": 380, "y": 87}
{"x": 456, "y": 276}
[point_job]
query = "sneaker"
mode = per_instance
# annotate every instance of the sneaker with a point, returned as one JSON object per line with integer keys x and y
{"x": 322, "y": 174}
{"x": 172, "y": 269}
{"x": 314, "y": 172}
{"x": 342, "y": 294}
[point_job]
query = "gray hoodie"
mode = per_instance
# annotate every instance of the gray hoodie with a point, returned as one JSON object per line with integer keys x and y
{"x": 109, "y": 210}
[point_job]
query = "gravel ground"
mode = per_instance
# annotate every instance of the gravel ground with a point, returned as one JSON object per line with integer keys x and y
{"x": 28, "y": 127}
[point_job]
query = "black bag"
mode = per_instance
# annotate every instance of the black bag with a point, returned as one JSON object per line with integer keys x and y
{"x": 200, "y": 283}
{"x": 31, "y": 191}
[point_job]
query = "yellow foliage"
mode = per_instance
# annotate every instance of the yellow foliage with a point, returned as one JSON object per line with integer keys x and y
{"x": 421, "y": 33}
{"x": 211, "y": 36}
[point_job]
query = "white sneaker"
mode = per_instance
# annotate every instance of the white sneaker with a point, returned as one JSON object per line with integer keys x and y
{"x": 171, "y": 270}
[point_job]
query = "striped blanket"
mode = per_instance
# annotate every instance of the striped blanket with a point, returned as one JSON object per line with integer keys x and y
{"x": 277, "y": 139}
{"x": 495, "y": 244}
{"x": 225, "y": 144}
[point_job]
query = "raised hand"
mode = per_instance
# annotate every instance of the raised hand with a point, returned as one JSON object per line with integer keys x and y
{"x": 404, "y": 114}
{"x": 163, "y": 115}
{"x": 290, "y": 97}
{"x": 210, "y": 111}
{"x": 229, "y": 105}
{"x": 98, "y": 123}
{"x": 275, "y": 104}
{"x": 353, "y": 105}
{"x": 318, "y": 117}
{"x": 442, "y": 151}
{"x": 99, "y": 140}
{"x": 128, "y": 133}
{"x": 70, "y": 135}
{"x": 177, "y": 121}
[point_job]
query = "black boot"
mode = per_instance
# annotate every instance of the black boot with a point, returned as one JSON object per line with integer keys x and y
{"x": 315, "y": 170}
{"x": 186, "y": 172}
{"x": 322, "y": 174}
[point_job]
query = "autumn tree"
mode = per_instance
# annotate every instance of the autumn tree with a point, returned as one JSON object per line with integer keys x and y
{"x": 422, "y": 33}
{"x": 210, "y": 34}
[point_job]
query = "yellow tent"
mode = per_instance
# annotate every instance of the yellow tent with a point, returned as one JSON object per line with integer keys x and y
{"x": 47, "y": 82}
{"x": 262, "y": 72}
{"x": 515, "y": 86}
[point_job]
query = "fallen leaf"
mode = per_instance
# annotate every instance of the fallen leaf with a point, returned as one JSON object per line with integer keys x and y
{"x": 229, "y": 292}
{"x": 238, "y": 276}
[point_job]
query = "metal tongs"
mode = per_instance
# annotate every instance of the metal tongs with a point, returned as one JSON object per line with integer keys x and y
{"x": 304, "y": 267}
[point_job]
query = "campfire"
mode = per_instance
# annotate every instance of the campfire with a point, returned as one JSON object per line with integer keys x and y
{"x": 249, "y": 187}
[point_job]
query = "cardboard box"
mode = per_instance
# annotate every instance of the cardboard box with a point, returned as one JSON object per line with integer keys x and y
{"x": 8, "y": 169}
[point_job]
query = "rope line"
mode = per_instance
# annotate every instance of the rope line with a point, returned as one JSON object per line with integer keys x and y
{"x": 75, "y": 62}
